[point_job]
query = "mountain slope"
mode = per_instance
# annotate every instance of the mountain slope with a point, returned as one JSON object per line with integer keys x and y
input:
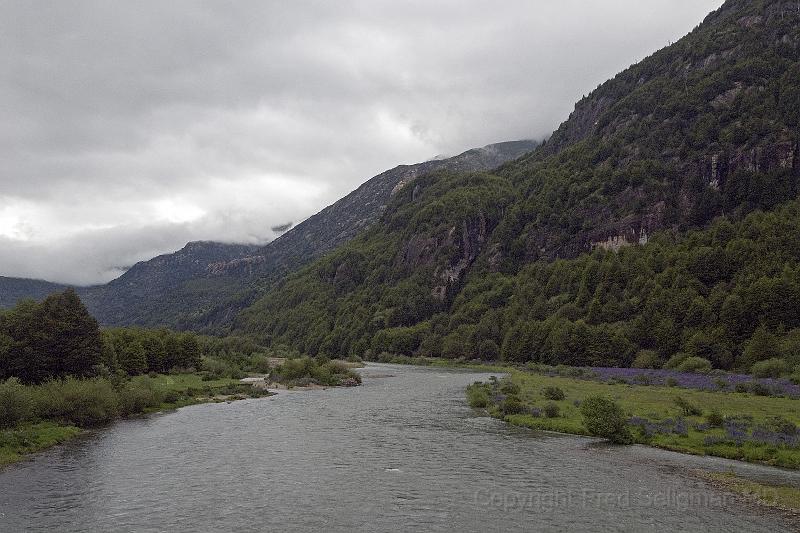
{"x": 205, "y": 284}
{"x": 547, "y": 249}
{"x": 14, "y": 289}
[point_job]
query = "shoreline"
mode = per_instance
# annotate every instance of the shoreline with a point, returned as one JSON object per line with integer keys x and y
{"x": 25, "y": 440}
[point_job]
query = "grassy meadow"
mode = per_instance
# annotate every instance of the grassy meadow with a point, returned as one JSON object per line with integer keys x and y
{"x": 725, "y": 424}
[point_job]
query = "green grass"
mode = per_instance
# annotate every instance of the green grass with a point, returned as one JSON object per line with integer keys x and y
{"x": 440, "y": 362}
{"x": 658, "y": 403}
{"x": 176, "y": 390}
{"x": 17, "y": 442}
{"x": 781, "y": 496}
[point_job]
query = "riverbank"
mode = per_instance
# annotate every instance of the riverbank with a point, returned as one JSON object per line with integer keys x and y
{"x": 84, "y": 407}
{"x": 741, "y": 426}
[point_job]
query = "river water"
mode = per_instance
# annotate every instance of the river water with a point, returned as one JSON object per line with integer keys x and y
{"x": 402, "y": 452}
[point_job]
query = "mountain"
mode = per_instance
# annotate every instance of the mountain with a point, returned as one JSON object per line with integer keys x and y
{"x": 168, "y": 285}
{"x": 14, "y": 289}
{"x": 639, "y": 227}
{"x": 204, "y": 285}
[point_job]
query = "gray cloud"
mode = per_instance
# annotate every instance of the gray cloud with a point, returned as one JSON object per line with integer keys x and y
{"x": 129, "y": 128}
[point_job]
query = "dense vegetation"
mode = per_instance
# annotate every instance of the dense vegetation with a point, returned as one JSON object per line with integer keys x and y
{"x": 57, "y": 337}
{"x": 693, "y": 151}
{"x": 726, "y": 294}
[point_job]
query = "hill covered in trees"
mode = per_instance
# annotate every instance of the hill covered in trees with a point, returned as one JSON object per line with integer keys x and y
{"x": 658, "y": 220}
{"x": 205, "y": 284}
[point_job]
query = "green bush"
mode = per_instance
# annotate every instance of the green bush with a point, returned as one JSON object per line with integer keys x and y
{"x": 771, "y": 368}
{"x": 137, "y": 398}
{"x": 306, "y": 370}
{"x": 79, "y": 402}
{"x": 16, "y": 403}
{"x": 553, "y": 393}
{"x": 511, "y": 405}
{"x": 646, "y": 359}
{"x": 697, "y": 365}
{"x": 509, "y": 387}
{"x": 602, "y": 417}
{"x": 714, "y": 419}
{"x": 675, "y": 361}
{"x": 551, "y": 410}
{"x": 478, "y": 395}
{"x": 686, "y": 407}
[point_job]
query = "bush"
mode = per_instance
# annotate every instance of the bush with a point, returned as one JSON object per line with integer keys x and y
{"x": 553, "y": 393}
{"x": 80, "y": 402}
{"x": 697, "y": 365}
{"x": 687, "y": 408}
{"x": 771, "y": 368}
{"x": 509, "y": 387}
{"x": 714, "y": 419}
{"x": 511, "y": 406}
{"x": 16, "y": 403}
{"x": 135, "y": 398}
{"x": 602, "y": 417}
{"x": 646, "y": 359}
{"x": 760, "y": 389}
{"x": 551, "y": 410}
{"x": 676, "y": 360}
{"x": 781, "y": 425}
{"x": 478, "y": 395}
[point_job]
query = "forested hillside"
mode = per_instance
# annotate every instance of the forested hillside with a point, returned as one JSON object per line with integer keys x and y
{"x": 205, "y": 284}
{"x": 639, "y": 226}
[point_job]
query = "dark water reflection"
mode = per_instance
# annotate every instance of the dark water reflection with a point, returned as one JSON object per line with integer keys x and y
{"x": 399, "y": 453}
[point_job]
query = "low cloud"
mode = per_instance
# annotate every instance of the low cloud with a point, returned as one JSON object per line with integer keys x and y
{"x": 129, "y": 128}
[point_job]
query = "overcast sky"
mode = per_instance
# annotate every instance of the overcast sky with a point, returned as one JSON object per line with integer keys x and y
{"x": 128, "y": 128}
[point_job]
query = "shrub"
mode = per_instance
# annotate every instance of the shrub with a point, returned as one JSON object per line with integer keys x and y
{"x": 509, "y": 387}
{"x": 676, "y": 360}
{"x": 551, "y": 410}
{"x": 714, "y": 419}
{"x": 771, "y": 368}
{"x": 687, "y": 408}
{"x": 795, "y": 377}
{"x": 602, "y": 417}
{"x": 697, "y": 365}
{"x": 671, "y": 382}
{"x": 16, "y": 404}
{"x": 135, "y": 398}
{"x": 646, "y": 359}
{"x": 760, "y": 389}
{"x": 553, "y": 393}
{"x": 478, "y": 395}
{"x": 511, "y": 406}
{"x": 80, "y": 402}
{"x": 171, "y": 396}
{"x": 781, "y": 425}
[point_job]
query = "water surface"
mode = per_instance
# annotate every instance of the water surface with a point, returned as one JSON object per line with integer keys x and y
{"x": 402, "y": 452}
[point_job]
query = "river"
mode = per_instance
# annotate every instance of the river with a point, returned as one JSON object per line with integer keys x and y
{"x": 403, "y": 452}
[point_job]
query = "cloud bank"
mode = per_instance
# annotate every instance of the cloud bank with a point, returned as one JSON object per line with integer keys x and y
{"x": 130, "y": 128}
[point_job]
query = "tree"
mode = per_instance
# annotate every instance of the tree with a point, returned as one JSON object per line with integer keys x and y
{"x": 762, "y": 345}
{"x": 55, "y": 338}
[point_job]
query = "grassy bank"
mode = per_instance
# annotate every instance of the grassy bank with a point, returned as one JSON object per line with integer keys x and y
{"x": 778, "y": 496}
{"x": 36, "y": 417}
{"x": 439, "y": 362}
{"x": 733, "y": 425}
